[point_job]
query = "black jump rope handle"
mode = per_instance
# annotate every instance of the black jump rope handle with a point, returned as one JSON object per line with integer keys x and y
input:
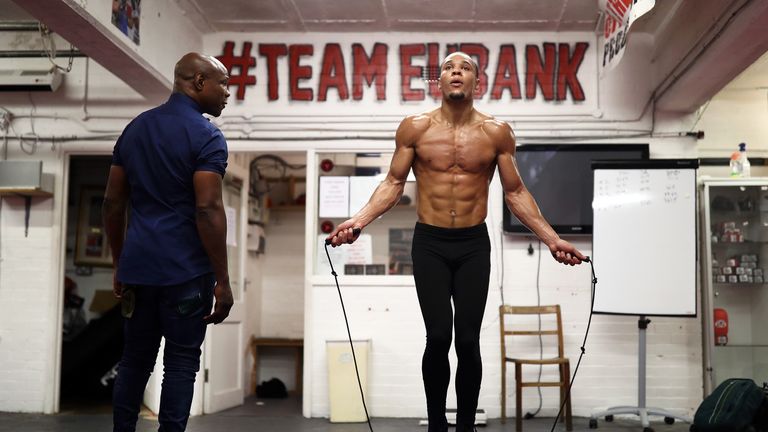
{"x": 355, "y": 233}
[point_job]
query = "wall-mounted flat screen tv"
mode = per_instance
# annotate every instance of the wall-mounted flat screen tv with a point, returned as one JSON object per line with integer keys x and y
{"x": 559, "y": 176}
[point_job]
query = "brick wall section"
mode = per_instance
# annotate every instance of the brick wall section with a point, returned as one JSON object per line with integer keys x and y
{"x": 25, "y": 295}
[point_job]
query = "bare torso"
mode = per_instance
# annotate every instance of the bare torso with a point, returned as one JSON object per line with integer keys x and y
{"x": 453, "y": 166}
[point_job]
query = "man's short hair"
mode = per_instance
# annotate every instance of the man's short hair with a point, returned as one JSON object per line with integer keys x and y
{"x": 467, "y": 57}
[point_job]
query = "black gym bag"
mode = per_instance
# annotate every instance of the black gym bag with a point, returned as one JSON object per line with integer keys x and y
{"x": 734, "y": 406}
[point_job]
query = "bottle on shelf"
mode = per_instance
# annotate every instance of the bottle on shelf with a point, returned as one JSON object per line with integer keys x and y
{"x": 745, "y": 166}
{"x": 721, "y": 326}
{"x": 740, "y": 166}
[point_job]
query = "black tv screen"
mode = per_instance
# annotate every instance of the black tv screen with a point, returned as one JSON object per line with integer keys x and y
{"x": 559, "y": 176}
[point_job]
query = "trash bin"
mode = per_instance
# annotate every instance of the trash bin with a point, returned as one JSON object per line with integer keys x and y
{"x": 343, "y": 391}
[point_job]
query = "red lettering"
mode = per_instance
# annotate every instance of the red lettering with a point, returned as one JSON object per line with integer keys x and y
{"x": 568, "y": 66}
{"x": 297, "y": 72}
{"x": 506, "y": 74}
{"x": 616, "y": 15}
{"x": 244, "y": 62}
{"x": 369, "y": 69}
{"x": 272, "y": 52}
{"x": 541, "y": 72}
{"x": 433, "y": 70}
{"x": 479, "y": 52}
{"x": 409, "y": 72}
{"x": 333, "y": 73}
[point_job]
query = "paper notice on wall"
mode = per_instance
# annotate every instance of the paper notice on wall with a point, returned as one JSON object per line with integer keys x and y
{"x": 361, "y": 251}
{"x": 231, "y": 214}
{"x": 360, "y": 190}
{"x": 338, "y": 257}
{"x": 334, "y": 197}
{"x": 619, "y": 17}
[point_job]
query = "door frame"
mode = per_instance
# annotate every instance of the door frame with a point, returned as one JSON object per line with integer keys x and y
{"x": 238, "y": 311}
{"x": 52, "y": 400}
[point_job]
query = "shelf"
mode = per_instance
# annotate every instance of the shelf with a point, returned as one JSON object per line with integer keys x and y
{"x": 744, "y": 243}
{"x": 753, "y": 212}
{"x": 291, "y": 207}
{"x": 363, "y": 280}
{"x": 738, "y": 284}
{"x": 742, "y": 346}
{"x": 397, "y": 208}
{"x": 36, "y": 192}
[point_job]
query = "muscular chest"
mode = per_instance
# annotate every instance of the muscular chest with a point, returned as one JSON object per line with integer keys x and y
{"x": 444, "y": 149}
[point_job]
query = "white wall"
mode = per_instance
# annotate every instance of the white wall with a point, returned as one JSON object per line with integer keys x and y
{"x": 734, "y": 116}
{"x": 31, "y": 293}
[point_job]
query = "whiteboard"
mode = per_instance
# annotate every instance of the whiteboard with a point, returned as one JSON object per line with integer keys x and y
{"x": 644, "y": 238}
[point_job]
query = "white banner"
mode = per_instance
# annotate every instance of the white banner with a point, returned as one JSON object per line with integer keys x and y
{"x": 619, "y": 17}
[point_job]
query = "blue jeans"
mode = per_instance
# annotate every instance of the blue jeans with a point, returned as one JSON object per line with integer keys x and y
{"x": 175, "y": 312}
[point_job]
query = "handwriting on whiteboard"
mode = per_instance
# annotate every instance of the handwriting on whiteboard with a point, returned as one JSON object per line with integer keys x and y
{"x": 619, "y": 189}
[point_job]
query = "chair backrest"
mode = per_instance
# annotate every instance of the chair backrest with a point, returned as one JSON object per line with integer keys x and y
{"x": 531, "y": 310}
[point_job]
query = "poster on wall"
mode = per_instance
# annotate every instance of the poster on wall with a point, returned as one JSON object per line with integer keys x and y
{"x": 125, "y": 16}
{"x": 334, "y": 197}
{"x": 91, "y": 246}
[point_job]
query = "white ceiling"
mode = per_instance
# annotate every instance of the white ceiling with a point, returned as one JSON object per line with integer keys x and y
{"x": 387, "y": 15}
{"x": 397, "y": 15}
{"x": 410, "y": 15}
{"x": 378, "y": 15}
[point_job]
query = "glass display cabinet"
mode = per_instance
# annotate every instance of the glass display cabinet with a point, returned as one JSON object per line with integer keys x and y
{"x": 734, "y": 263}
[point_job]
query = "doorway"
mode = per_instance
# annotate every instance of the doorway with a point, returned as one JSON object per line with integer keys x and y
{"x": 275, "y": 270}
{"x": 92, "y": 338}
{"x": 268, "y": 283}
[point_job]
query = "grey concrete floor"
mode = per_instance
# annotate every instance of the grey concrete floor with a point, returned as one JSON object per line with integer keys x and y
{"x": 284, "y": 416}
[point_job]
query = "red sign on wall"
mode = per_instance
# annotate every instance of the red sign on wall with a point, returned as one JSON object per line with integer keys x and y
{"x": 547, "y": 70}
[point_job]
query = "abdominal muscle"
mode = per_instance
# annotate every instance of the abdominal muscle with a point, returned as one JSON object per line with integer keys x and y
{"x": 452, "y": 199}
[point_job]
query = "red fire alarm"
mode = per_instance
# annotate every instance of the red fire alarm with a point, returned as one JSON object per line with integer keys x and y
{"x": 326, "y": 165}
{"x": 326, "y": 227}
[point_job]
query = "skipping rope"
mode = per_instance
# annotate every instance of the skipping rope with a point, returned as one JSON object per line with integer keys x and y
{"x": 354, "y": 358}
{"x": 355, "y": 232}
{"x": 583, "y": 350}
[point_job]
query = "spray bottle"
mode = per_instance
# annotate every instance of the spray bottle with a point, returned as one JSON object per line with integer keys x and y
{"x": 745, "y": 166}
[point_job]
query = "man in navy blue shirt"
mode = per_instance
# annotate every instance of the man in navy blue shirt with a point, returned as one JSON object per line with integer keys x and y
{"x": 171, "y": 261}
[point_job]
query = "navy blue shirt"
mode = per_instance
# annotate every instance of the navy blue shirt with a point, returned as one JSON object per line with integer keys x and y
{"x": 160, "y": 150}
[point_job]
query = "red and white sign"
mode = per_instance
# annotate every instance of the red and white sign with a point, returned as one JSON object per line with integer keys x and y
{"x": 378, "y": 74}
{"x": 619, "y": 17}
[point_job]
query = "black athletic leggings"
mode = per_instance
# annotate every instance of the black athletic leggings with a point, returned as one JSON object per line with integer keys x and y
{"x": 451, "y": 263}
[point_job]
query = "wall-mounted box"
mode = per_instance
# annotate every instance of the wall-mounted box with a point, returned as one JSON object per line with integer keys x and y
{"x": 25, "y": 178}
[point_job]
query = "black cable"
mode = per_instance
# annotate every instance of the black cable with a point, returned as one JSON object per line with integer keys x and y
{"x": 351, "y": 346}
{"x": 586, "y": 333}
{"x": 530, "y": 415}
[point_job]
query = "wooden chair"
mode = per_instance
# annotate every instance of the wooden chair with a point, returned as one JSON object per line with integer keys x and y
{"x": 560, "y": 361}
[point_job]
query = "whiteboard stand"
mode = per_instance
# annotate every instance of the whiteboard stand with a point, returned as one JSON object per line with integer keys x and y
{"x": 640, "y": 410}
{"x": 656, "y": 199}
